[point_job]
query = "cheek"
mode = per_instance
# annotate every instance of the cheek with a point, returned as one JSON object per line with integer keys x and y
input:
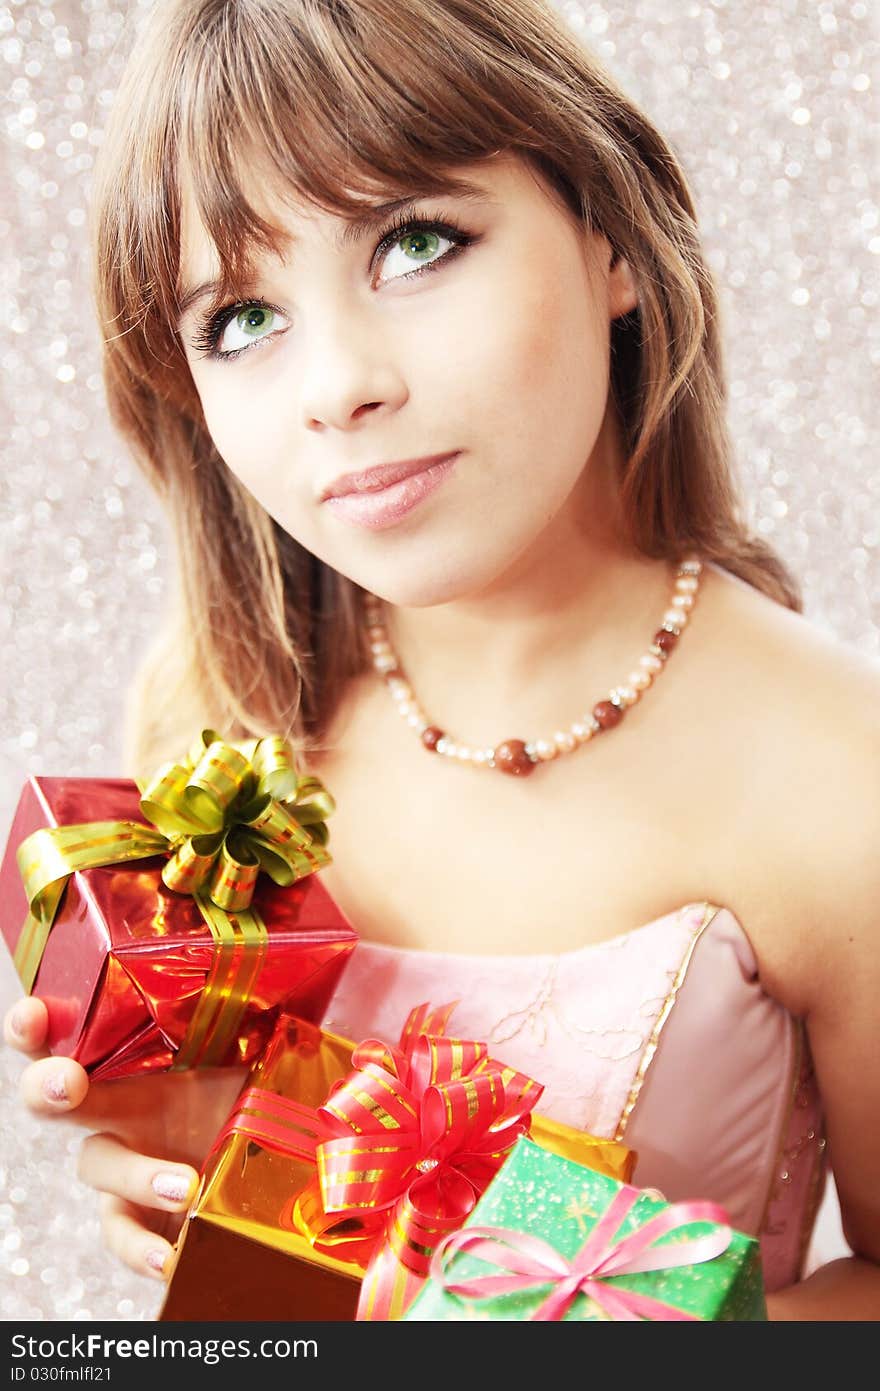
{"x": 252, "y": 443}
{"x": 534, "y": 361}
{"x": 257, "y": 449}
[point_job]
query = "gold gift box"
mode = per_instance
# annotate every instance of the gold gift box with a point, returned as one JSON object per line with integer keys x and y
{"x": 240, "y": 1252}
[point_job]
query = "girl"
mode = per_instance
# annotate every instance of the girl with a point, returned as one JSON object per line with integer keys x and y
{"x": 407, "y": 317}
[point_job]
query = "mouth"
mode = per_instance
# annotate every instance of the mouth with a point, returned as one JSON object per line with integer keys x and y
{"x": 377, "y": 508}
{"x": 373, "y": 480}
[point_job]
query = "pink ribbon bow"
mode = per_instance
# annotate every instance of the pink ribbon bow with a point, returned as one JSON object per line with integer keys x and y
{"x": 533, "y": 1261}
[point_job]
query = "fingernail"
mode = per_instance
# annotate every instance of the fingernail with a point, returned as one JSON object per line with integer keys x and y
{"x": 55, "y": 1087}
{"x": 156, "y": 1260}
{"x": 18, "y": 1021}
{"x": 174, "y": 1188}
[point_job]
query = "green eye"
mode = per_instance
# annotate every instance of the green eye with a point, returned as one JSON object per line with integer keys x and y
{"x": 415, "y": 246}
{"x": 420, "y": 244}
{"x": 254, "y": 318}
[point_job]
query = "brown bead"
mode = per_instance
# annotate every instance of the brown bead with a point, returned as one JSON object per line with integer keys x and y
{"x": 431, "y": 735}
{"x": 511, "y": 757}
{"x": 665, "y": 640}
{"x": 395, "y": 674}
{"x": 607, "y": 714}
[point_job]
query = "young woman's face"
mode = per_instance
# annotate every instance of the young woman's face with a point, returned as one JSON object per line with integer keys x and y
{"x": 490, "y": 343}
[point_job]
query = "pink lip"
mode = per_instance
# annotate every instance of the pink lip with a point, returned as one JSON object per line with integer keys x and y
{"x": 382, "y": 476}
{"x": 383, "y": 507}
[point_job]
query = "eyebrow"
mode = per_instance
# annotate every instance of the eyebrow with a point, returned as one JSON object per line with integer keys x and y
{"x": 354, "y": 229}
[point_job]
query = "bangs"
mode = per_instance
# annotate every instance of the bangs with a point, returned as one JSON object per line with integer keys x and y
{"x": 332, "y": 105}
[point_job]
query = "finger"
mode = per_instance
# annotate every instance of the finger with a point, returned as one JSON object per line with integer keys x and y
{"x": 25, "y": 1026}
{"x": 107, "y": 1164}
{"x": 53, "y": 1086}
{"x": 128, "y": 1238}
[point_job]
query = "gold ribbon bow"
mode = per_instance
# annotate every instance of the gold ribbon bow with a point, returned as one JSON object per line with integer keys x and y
{"x": 232, "y": 810}
{"x": 228, "y": 811}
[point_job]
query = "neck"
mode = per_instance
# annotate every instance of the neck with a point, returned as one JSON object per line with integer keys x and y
{"x": 539, "y": 646}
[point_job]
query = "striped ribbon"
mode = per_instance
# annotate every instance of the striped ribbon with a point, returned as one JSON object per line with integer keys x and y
{"x": 240, "y": 942}
{"x": 417, "y": 1133}
{"x": 276, "y": 1122}
{"x": 287, "y": 1127}
{"x": 46, "y": 860}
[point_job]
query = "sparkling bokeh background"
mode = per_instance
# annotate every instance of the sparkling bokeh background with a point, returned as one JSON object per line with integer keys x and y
{"x": 772, "y": 109}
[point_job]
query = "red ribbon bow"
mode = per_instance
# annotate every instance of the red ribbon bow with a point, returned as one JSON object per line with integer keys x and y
{"x": 419, "y": 1131}
{"x": 532, "y": 1261}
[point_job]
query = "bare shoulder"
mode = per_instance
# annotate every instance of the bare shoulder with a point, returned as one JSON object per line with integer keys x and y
{"x": 813, "y": 759}
{"x": 826, "y": 686}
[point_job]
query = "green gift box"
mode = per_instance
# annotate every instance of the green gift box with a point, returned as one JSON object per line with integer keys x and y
{"x": 550, "y": 1235}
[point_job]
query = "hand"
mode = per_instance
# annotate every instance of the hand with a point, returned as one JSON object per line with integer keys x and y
{"x": 152, "y": 1135}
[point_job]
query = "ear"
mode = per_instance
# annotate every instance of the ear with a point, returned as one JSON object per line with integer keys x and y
{"x": 623, "y": 291}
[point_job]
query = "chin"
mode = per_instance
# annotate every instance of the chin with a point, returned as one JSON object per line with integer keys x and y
{"x": 420, "y": 594}
{"x": 433, "y": 585}
{"x": 445, "y": 563}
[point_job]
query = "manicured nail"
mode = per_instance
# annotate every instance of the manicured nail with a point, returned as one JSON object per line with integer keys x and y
{"x": 55, "y": 1087}
{"x": 18, "y": 1021}
{"x": 156, "y": 1260}
{"x": 174, "y": 1188}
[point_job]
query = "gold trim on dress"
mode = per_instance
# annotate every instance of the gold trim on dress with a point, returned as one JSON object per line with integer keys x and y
{"x": 710, "y": 912}
{"x": 819, "y": 1173}
{"x": 815, "y": 1194}
{"x": 776, "y": 1168}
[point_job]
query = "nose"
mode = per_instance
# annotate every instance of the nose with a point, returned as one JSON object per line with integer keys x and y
{"x": 349, "y": 370}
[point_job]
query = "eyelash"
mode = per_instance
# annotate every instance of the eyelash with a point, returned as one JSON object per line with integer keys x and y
{"x": 210, "y": 330}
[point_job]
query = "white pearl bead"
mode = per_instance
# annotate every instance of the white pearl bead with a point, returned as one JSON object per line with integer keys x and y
{"x": 383, "y": 664}
{"x": 564, "y": 740}
{"x": 639, "y": 680}
{"x": 377, "y": 633}
{"x": 628, "y": 695}
{"x": 482, "y": 755}
{"x": 546, "y": 750}
{"x": 463, "y": 754}
{"x": 443, "y": 745}
{"x": 416, "y": 719}
{"x": 380, "y": 646}
{"x": 676, "y": 616}
{"x": 582, "y": 732}
{"x": 650, "y": 662}
{"x": 682, "y": 601}
{"x": 687, "y": 584}
{"x": 406, "y": 708}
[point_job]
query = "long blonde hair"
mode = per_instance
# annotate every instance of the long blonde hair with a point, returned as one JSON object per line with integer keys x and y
{"x": 354, "y": 97}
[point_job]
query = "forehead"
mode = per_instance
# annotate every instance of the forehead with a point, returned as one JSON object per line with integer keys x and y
{"x": 497, "y": 179}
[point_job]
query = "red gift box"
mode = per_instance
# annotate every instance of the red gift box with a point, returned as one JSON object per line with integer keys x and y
{"x": 132, "y": 975}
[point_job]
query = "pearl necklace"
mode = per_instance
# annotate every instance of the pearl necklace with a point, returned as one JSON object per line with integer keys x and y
{"x": 513, "y": 756}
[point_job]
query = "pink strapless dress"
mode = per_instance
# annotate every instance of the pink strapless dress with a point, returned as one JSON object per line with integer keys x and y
{"x": 662, "y": 1038}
